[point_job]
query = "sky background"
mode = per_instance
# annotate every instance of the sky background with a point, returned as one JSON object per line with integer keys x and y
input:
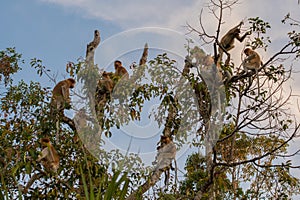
{"x": 57, "y": 31}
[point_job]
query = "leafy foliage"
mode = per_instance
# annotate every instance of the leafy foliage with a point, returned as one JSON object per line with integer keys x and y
{"x": 243, "y": 142}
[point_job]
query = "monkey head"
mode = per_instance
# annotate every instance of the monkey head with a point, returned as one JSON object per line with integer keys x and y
{"x": 105, "y": 74}
{"x": 165, "y": 139}
{"x": 117, "y": 64}
{"x": 237, "y": 31}
{"x": 71, "y": 82}
{"x": 45, "y": 142}
{"x": 247, "y": 51}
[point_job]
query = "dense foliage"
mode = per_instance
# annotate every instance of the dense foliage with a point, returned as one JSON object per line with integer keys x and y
{"x": 242, "y": 135}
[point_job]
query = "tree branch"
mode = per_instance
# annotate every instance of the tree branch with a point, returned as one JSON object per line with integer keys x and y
{"x": 69, "y": 121}
{"x": 144, "y": 57}
{"x": 91, "y": 47}
{"x": 262, "y": 156}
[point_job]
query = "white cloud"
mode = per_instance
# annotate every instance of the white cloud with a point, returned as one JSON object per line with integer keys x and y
{"x": 171, "y": 13}
{"x": 132, "y": 13}
{"x": 174, "y": 14}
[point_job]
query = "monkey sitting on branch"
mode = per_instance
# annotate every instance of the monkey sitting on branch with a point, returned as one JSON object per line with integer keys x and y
{"x": 61, "y": 97}
{"x": 103, "y": 94}
{"x": 120, "y": 71}
{"x": 49, "y": 156}
{"x": 105, "y": 84}
{"x": 50, "y": 160}
{"x": 61, "y": 100}
{"x": 166, "y": 153}
{"x": 252, "y": 62}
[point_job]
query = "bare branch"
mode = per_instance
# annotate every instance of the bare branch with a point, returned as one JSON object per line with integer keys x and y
{"x": 144, "y": 57}
{"x": 262, "y": 156}
{"x": 91, "y": 47}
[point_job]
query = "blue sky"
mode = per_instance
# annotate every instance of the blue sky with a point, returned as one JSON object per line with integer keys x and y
{"x": 48, "y": 32}
{"x": 57, "y": 31}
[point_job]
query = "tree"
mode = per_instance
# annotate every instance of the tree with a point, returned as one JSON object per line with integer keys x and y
{"x": 257, "y": 132}
{"x": 24, "y": 120}
{"x": 245, "y": 134}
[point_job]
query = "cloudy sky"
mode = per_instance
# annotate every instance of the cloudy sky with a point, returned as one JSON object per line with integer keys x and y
{"x": 57, "y": 31}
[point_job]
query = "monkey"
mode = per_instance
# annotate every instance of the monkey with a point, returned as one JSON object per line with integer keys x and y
{"x": 80, "y": 119}
{"x": 166, "y": 153}
{"x": 208, "y": 61}
{"x": 49, "y": 159}
{"x": 252, "y": 62}
{"x": 227, "y": 41}
{"x": 120, "y": 71}
{"x": 106, "y": 83}
{"x": 103, "y": 92}
{"x": 104, "y": 88}
{"x": 61, "y": 96}
{"x": 49, "y": 156}
{"x": 187, "y": 65}
{"x": 60, "y": 100}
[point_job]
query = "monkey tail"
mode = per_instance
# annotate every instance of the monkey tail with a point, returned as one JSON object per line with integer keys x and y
{"x": 57, "y": 128}
{"x": 176, "y": 177}
{"x": 258, "y": 86}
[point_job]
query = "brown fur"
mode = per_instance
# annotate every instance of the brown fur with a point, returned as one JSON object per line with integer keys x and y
{"x": 252, "y": 62}
{"x": 61, "y": 96}
{"x": 165, "y": 155}
{"x": 120, "y": 70}
{"x": 49, "y": 157}
{"x": 227, "y": 41}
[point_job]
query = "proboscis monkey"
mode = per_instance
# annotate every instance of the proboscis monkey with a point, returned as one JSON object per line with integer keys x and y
{"x": 49, "y": 156}
{"x": 166, "y": 153}
{"x": 61, "y": 96}
{"x": 252, "y": 62}
{"x": 227, "y": 41}
{"x": 120, "y": 70}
